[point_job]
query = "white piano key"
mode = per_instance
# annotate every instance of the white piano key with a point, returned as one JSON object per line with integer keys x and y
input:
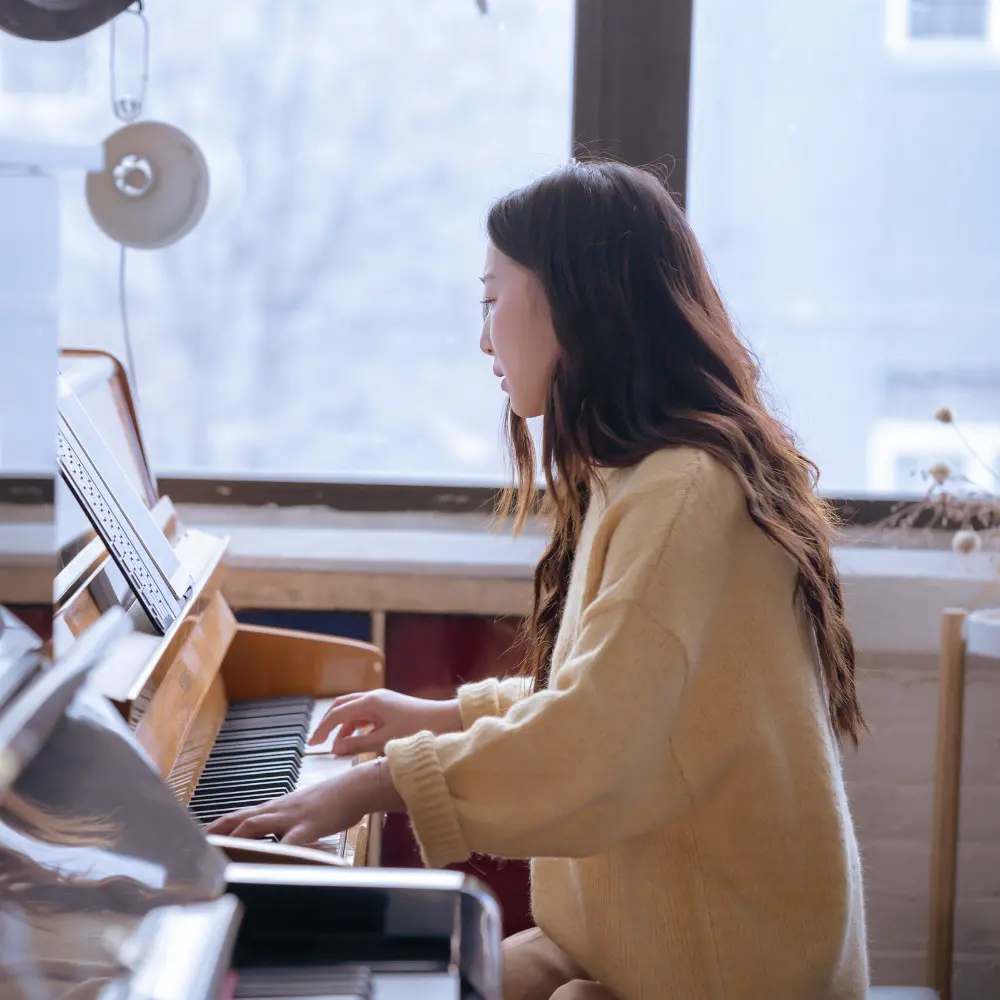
{"x": 320, "y": 707}
{"x": 316, "y": 768}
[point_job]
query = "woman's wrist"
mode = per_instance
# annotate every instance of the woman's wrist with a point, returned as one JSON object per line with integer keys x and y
{"x": 449, "y": 717}
{"x": 376, "y": 790}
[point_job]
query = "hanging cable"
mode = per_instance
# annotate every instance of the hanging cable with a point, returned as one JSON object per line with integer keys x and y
{"x": 128, "y": 109}
{"x": 123, "y": 308}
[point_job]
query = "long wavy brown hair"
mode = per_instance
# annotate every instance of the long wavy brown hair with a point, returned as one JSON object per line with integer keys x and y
{"x": 650, "y": 359}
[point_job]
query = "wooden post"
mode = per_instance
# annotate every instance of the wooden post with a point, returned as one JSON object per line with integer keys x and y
{"x": 947, "y": 792}
{"x": 378, "y": 629}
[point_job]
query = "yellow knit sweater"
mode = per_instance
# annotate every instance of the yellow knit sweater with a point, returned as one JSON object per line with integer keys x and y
{"x": 677, "y": 785}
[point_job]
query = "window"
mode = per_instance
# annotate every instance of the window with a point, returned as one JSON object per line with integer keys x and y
{"x": 911, "y": 470}
{"x": 915, "y": 394}
{"x": 948, "y": 31}
{"x": 322, "y": 320}
{"x": 901, "y": 453}
{"x": 851, "y": 220}
{"x": 948, "y": 19}
{"x": 43, "y": 68}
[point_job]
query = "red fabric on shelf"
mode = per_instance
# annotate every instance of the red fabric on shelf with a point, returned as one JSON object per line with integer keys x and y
{"x": 430, "y": 656}
{"x": 38, "y": 617}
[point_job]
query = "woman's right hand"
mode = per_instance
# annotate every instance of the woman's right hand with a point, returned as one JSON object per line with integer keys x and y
{"x": 390, "y": 715}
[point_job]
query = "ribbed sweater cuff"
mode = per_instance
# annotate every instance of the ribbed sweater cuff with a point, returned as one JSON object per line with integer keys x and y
{"x": 419, "y": 778}
{"x": 478, "y": 700}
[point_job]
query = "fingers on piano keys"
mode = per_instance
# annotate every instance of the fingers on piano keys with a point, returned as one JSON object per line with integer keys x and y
{"x": 260, "y": 754}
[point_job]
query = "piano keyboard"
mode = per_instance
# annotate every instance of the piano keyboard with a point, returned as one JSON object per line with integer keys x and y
{"x": 260, "y": 753}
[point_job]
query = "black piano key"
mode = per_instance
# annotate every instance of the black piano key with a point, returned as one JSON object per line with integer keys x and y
{"x": 276, "y": 733}
{"x": 263, "y": 752}
{"x": 269, "y": 721}
{"x": 261, "y": 769}
{"x": 260, "y": 724}
{"x": 207, "y": 812}
{"x": 230, "y": 783}
{"x": 303, "y": 702}
{"x": 281, "y": 783}
{"x": 249, "y": 780}
{"x": 252, "y": 752}
{"x": 249, "y": 746}
{"x": 292, "y": 714}
{"x": 287, "y": 757}
{"x": 296, "y": 717}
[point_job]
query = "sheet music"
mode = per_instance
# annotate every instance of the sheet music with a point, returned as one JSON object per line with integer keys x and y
{"x": 158, "y": 579}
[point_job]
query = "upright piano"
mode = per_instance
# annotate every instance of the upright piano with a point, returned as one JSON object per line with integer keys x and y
{"x": 222, "y": 708}
{"x": 111, "y": 892}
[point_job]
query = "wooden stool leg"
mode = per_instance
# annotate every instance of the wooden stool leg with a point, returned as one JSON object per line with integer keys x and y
{"x": 947, "y": 788}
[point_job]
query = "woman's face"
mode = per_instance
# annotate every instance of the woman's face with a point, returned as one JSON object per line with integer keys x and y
{"x": 518, "y": 333}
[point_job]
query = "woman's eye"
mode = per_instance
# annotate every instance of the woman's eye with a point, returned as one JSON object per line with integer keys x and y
{"x": 487, "y": 308}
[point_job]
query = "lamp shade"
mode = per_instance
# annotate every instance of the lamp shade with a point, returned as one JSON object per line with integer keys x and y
{"x": 153, "y": 188}
{"x": 57, "y": 20}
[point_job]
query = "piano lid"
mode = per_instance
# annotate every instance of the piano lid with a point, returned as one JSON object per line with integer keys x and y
{"x": 120, "y": 517}
{"x": 100, "y": 383}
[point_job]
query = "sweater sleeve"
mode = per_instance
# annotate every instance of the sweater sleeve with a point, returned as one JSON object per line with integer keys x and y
{"x": 587, "y": 762}
{"x": 490, "y": 697}
{"x": 566, "y": 772}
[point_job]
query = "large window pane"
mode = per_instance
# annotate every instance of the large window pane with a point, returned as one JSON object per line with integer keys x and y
{"x": 845, "y": 192}
{"x": 323, "y": 319}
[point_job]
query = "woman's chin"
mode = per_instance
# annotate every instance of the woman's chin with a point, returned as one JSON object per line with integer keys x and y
{"x": 525, "y": 413}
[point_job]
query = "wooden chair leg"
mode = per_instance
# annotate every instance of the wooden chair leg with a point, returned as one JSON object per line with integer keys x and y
{"x": 947, "y": 790}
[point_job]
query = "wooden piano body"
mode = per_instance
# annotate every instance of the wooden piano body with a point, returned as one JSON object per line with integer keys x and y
{"x": 174, "y": 689}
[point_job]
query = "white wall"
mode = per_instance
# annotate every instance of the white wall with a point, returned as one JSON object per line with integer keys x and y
{"x": 28, "y": 323}
{"x": 29, "y": 288}
{"x": 890, "y": 783}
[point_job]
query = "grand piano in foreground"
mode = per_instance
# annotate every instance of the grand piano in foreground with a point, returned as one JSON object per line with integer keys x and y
{"x": 223, "y": 709}
{"x": 111, "y": 892}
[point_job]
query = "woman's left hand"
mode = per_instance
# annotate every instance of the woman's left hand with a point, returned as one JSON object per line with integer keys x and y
{"x": 305, "y": 816}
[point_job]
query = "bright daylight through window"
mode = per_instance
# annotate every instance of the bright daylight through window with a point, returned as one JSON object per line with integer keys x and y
{"x": 323, "y": 318}
{"x": 848, "y": 203}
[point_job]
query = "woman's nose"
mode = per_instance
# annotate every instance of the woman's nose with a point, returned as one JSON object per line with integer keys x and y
{"x": 485, "y": 344}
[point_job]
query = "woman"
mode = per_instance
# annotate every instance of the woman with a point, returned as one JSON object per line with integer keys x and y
{"x": 674, "y": 775}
